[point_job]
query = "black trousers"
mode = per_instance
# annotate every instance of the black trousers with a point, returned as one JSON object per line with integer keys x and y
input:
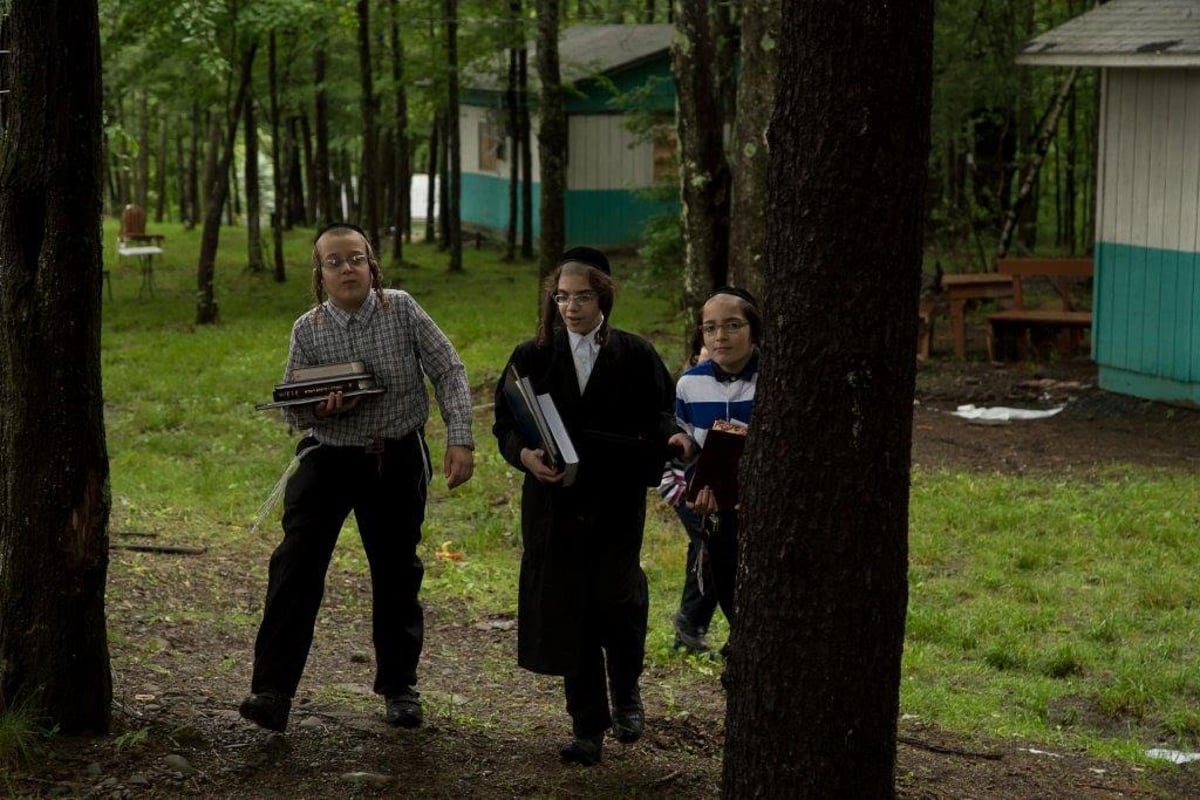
{"x": 722, "y": 549}
{"x": 613, "y": 651}
{"x": 696, "y": 606}
{"x": 386, "y": 491}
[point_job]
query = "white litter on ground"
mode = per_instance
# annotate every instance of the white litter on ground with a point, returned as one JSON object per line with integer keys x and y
{"x": 1175, "y": 756}
{"x": 1000, "y": 415}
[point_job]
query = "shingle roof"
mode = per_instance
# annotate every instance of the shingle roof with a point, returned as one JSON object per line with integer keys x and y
{"x": 585, "y": 51}
{"x": 1123, "y": 33}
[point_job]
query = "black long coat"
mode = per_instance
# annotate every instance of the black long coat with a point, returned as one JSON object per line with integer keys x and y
{"x": 582, "y": 543}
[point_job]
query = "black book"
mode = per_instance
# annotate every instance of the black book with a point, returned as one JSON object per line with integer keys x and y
{"x": 541, "y": 425}
{"x": 717, "y": 466}
{"x": 312, "y": 384}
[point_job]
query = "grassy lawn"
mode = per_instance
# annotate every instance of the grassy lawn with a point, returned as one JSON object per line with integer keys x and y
{"x": 1059, "y": 612}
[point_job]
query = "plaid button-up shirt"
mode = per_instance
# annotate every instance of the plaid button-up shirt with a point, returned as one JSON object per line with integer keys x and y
{"x": 400, "y": 345}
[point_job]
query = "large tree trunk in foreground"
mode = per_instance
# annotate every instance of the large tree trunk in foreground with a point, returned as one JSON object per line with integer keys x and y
{"x": 813, "y": 669}
{"x": 54, "y": 500}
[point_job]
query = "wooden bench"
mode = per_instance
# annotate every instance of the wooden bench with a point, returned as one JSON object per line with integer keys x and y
{"x": 966, "y": 287}
{"x": 1032, "y": 328}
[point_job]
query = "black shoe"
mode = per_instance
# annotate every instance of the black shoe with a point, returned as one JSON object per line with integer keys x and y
{"x": 267, "y": 710}
{"x": 688, "y": 636}
{"x": 404, "y": 709}
{"x": 583, "y": 750}
{"x": 629, "y": 724}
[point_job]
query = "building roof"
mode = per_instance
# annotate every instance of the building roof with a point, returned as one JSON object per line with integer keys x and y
{"x": 1123, "y": 33}
{"x": 584, "y": 51}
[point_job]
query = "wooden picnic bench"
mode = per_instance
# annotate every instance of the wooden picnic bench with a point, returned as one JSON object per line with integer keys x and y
{"x": 1030, "y": 328}
{"x": 962, "y": 288}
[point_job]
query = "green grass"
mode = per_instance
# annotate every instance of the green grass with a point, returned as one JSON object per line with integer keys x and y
{"x": 1026, "y": 592}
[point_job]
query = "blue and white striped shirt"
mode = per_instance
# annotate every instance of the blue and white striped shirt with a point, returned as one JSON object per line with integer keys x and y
{"x": 701, "y": 398}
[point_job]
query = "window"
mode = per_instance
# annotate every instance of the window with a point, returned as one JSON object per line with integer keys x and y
{"x": 666, "y": 153}
{"x": 491, "y": 145}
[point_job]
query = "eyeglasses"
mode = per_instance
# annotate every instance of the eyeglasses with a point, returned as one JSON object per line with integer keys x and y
{"x": 733, "y": 326}
{"x": 357, "y": 262}
{"x": 581, "y": 299}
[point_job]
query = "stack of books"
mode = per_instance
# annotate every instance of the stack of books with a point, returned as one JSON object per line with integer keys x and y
{"x": 541, "y": 425}
{"x": 313, "y": 384}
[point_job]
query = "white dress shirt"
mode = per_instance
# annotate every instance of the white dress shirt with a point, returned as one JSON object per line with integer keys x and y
{"x": 584, "y": 350}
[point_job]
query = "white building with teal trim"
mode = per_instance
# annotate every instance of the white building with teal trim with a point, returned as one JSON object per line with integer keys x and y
{"x": 1146, "y": 307}
{"x": 616, "y": 71}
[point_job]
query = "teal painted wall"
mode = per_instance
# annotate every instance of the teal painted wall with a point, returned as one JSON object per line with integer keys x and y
{"x": 1146, "y": 336}
{"x": 601, "y": 218}
{"x": 651, "y": 79}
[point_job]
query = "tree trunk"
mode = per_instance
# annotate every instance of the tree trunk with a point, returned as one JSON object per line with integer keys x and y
{"x": 206, "y": 306}
{"x": 369, "y": 180}
{"x": 703, "y": 170}
{"x": 160, "y": 170}
{"x": 255, "y": 260}
{"x": 295, "y": 174}
{"x": 310, "y": 180}
{"x": 142, "y": 179}
{"x": 326, "y": 212}
{"x": 435, "y": 136}
{"x": 444, "y": 183}
{"x": 755, "y": 99}
{"x": 1035, "y": 163}
{"x": 526, "y": 154}
{"x": 280, "y": 272}
{"x": 54, "y": 660}
{"x": 181, "y": 175}
{"x": 403, "y": 176}
{"x": 552, "y": 141}
{"x": 513, "y": 133}
{"x": 193, "y": 175}
{"x": 453, "y": 129}
{"x": 813, "y": 664}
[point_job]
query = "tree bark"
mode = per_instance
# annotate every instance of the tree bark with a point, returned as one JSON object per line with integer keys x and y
{"x": 755, "y": 99}
{"x": 193, "y": 175}
{"x": 326, "y": 212}
{"x": 552, "y": 141}
{"x": 280, "y": 273}
{"x": 403, "y": 176}
{"x": 54, "y": 660}
{"x": 206, "y": 306}
{"x": 255, "y": 261}
{"x": 813, "y": 661}
{"x": 703, "y": 169}
{"x": 310, "y": 180}
{"x": 369, "y": 180}
{"x": 453, "y": 138}
{"x": 160, "y": 170}
{"x": 1035, "y": 163}
{"x": 435, "y": 136}
{"x": 512, "y": 131}
{"x": 526, "y": 154}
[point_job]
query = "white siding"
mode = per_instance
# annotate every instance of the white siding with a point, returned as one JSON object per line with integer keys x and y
{"x": 1150, "y": 175}
{"x": 603, "y": 154}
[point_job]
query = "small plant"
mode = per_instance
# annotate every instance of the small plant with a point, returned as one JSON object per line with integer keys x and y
{"x": 19, "y": 735}
{"x": 131, "y": 740}
{"x": 1062, "y": 663}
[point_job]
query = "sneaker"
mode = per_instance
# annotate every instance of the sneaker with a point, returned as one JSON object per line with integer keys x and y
{"x": 404, "y": 710}
{"x": 583, "y": 750}
{"x": 267, "y": 710}
{"x": 688, "y": 637}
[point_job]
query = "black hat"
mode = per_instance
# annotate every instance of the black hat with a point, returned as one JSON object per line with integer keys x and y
{"x": 587, "y": 255}
{"x": 333, "y": 226}
{"x": 736, "y": 292}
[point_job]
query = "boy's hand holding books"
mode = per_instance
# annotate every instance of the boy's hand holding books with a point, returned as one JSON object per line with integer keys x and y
{"x": 535, "y": 462}
{"x": 335, "y": 403}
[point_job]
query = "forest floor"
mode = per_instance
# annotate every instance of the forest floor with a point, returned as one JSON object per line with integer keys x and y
{"x": 492, "y": 730}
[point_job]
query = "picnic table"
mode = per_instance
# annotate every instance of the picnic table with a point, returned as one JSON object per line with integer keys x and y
{"x": 962, "y": 288}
